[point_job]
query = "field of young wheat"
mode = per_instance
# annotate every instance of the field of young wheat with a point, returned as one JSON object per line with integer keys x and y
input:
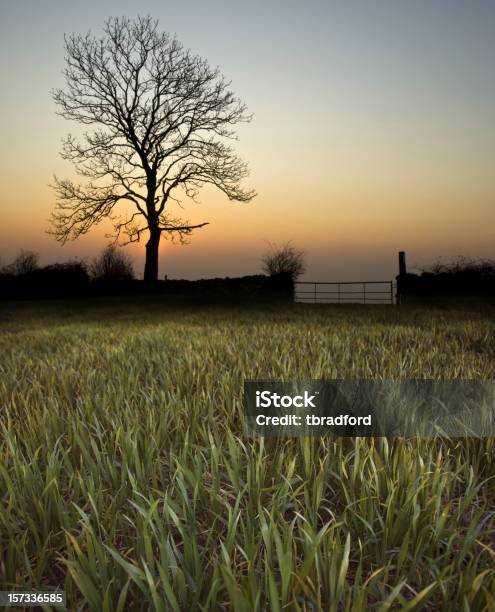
{"x": 127, "y": 479}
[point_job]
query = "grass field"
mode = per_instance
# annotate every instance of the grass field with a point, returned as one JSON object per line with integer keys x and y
{"x": 126, "y": 477}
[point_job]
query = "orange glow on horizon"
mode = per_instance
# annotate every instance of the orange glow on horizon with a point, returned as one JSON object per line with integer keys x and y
{"x": 373, "y": 132}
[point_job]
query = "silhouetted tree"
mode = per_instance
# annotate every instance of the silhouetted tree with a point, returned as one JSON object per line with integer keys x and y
{"x": 25, "y": 263}
{"x": 158, "y": 116}
{"x": 285, "y": 260}
{"x": 112, "y": 265}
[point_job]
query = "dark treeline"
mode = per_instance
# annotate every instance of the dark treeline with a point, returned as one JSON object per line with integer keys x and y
{"x": 71, "y": 280}
{"x": 461, "y": 277}
{"x": 111, "y": 274}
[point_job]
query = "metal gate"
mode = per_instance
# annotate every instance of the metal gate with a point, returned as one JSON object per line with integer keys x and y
{"x": 360, "y": 292}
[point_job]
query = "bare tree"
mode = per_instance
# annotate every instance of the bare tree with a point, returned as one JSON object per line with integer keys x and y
{"x": 159, "y": 117}
{"x": 286, "y": 260}
{"x": 112, "y": 265}
{"x": 25, "y": 263}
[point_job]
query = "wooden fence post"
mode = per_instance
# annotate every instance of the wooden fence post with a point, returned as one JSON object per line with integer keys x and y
{"x": 401, "y": 279}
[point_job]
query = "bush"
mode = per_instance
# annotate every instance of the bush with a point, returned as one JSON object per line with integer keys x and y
{"x": 285, "y": 260}
{"x": 112, "y": 265}
{"x": 68, "y": 274}
{"x": 463, "y": 266}
{"x": 25, "y": 263}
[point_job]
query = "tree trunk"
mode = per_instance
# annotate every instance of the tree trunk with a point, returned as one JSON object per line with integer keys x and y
{"x": 151, "y": 263}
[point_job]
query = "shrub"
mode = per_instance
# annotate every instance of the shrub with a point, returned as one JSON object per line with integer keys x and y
{"x": 285, "y": 260}
{"x": 112, "y": 265}
{"x": 25, "y": 263}
{"x": 463, "y": 266}
{"x": 70, "y": 273}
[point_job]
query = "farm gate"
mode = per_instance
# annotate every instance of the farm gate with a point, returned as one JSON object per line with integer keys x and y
{"x": 350, "y": 292}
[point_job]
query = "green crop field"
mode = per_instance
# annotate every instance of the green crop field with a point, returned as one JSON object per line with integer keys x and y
{"x": 126, "y": 476}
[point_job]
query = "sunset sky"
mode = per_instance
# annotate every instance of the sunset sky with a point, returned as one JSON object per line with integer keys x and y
{"x": 373, "y": 130}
